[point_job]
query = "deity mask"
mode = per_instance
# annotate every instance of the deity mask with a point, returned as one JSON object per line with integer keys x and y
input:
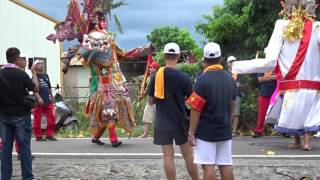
{"x": 96, "y": 48}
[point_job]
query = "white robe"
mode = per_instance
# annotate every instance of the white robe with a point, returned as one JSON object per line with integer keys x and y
{"x": 300, "y": 111}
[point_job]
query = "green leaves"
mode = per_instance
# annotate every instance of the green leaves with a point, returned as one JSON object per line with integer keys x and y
{"x": 108, "y": 5}
{"x": 191, "y": 69}
{"x": 163, "y": 35}
{"x": 118, "y": 4}
{"x": 118, "y": 24}
{"x": 241, "y": 27}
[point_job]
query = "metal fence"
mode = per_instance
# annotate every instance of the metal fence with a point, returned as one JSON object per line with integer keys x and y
{"x": 76, "y": 97}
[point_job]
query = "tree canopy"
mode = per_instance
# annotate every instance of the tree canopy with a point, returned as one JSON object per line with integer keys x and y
{"x": 241, "y": 27}
{"x": 163, "y": 35}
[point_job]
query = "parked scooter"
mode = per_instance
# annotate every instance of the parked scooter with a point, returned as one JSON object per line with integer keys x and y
{"x": 64, "y": 115}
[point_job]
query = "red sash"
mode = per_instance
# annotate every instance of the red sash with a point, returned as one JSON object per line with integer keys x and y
{"x": 302, "y": 51}
{"x": 289, "y": 82}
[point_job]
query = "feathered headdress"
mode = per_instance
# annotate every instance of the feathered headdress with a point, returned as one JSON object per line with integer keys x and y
{"x": 76, "y": 24}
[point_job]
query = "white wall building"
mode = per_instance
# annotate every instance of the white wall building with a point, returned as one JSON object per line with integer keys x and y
{"x": 27, "y": 28}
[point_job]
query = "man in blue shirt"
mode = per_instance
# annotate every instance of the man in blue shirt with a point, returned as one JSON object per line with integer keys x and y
{"x": 45, "y": 106}
{"x": 170, "y": 88}
{"x": 212, "y": 108}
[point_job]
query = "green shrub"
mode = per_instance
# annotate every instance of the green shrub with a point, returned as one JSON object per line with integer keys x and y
{"x": 249, "y": 103}
{"x": 191, "y": 69}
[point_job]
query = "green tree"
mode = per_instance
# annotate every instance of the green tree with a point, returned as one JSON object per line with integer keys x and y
{"x": 241, "y": 27}
{"x": 163, "y": 35}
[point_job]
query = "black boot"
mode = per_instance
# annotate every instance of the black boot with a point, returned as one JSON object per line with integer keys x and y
{"x": 116, "y": 143}
{"x": 257, "y": 135}
{"x": 97, "y": 141}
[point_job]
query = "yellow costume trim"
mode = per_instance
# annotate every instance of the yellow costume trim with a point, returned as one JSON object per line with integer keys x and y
{"x": 159, "y": 84}
{"x": 111, "y": 125}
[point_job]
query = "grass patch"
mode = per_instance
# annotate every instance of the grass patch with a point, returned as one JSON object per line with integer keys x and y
{"x": 84, "y": 122}
{"x": 67, "y": 133}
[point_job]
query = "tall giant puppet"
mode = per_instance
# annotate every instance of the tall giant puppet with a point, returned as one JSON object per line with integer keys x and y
{"x": 294, "y": 52}
{"x": 109, "y": 102}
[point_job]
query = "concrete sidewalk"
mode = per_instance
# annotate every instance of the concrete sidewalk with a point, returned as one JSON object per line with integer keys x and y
{"x": 243, "y": 147}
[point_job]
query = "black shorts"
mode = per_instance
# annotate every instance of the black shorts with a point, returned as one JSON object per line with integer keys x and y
{"x": 167, "y": 137}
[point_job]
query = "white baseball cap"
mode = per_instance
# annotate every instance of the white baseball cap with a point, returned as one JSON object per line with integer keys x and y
{"x": 171, "y": 48}
{"x": 231, "y": 58}
{"x": 22, "y": 55}
{"x": 212, "y": 50}
{"x": 38, "y": 61}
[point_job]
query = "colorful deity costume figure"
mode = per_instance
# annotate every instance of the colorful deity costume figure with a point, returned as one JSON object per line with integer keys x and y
{"x": 109, "y": 103}
{"x": 293, "y": 51}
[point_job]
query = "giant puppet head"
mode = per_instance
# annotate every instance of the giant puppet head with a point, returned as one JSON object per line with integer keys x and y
{"x": 89, "y": 27}
{"x": 96, "y": 46}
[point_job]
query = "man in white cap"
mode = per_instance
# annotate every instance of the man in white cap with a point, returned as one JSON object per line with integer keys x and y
{"x": 45, "y": 107}
{"x": 169, "y": 89}
{"x": 212, "y": 108}
{"x": 238, "y": 79}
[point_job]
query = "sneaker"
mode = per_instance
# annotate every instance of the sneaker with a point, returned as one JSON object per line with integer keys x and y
{"x": 116, "y": 143}
{"x": 51, "y": 138}
{"x": 257, "y": 135}
{"x": 317, "y": 135}
{"x": 235, "y": 134}
{"x": 40, "y": 139}
{"x": 97, "y": 141}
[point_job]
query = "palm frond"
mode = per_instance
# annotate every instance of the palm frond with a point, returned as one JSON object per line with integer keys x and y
{"x": 109, "y": 7}
{"x": 118, "y": 24}
{"x": 118, "y": 4}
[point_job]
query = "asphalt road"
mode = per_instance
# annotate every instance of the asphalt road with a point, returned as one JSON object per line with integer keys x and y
{"x": 79, "y": 159}
{"x": 243, "y": 147}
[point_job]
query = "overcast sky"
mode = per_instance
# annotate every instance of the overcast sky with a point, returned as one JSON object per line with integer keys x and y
{"x": 140, "y": 17}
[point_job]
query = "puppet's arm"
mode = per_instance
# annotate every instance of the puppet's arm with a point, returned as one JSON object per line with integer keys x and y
{"x": 135, "y": 53}
{"x": 272, "y": 54}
